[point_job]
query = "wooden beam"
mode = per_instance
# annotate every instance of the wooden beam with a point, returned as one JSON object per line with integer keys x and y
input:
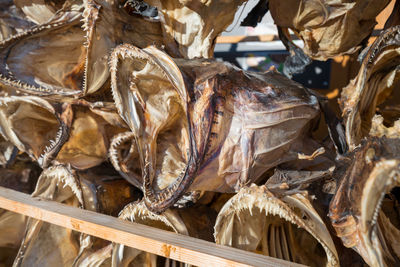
{"x": 167, "y": 244}
{"x": 233, "y": 39}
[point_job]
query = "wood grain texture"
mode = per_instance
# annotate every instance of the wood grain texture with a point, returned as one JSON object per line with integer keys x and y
{"x": 178, "y": 247}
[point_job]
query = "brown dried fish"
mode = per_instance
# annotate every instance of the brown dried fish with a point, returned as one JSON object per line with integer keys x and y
{"x": 22, "y": 176}
{"x": 190, "y": 28}
{"x": 12, "y": 20}
{"x": 196, "y": 221}
{"x": 97, "y": 190}
{"x": 374, "y": 90}
{"x": 75, "y": 133}
{"x": 365, "y": 211}
{"x": 203, "y": 124}
{"x": 32, "y": 62}
{"x": 328, "y": 28}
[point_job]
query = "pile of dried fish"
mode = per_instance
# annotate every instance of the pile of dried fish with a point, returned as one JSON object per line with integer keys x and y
{"x": 118, "y": 107}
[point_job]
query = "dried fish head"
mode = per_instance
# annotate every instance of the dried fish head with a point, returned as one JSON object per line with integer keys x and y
{"x": 30, "y": 123}
{"x": 12, "y": 20}
{"x": 45, "y": 244}
{"x": 21, "y": 175}
{"x": 203, "y": 124}
{"x": 365, "y": 209}
{"x": 328, "y": 28}
{"x": 72, "y": 133}
{"x": 286, "y": 227}
{"x": 101, "y": 38}
{"x": 190, "y": 28}
{"x": 374, "y": 89}
{"x": 196, "y": 221}
{"x": 89, "y": 137}
{"x": 32, "y": 61}
{"x": 35, "y": 60}
{"x": 42, "y": 11}
{"x": 106, "y": 192}
{"x": 124, "y": 157}
{"x": 138, "y": 212}
{"x": 100, "y": 189}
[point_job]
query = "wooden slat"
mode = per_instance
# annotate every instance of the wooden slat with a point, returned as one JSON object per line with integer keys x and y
{"x": 232, "y": 39}
{"x": 171, "y": 245}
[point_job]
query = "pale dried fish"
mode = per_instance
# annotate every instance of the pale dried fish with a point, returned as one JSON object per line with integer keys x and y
{"x": 328, "y": 28}
{"x": 286, "y": 227}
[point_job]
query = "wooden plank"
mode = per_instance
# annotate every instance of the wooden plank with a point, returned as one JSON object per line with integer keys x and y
{"x": 232, "y": 39}
{"x": 171, "y": 245}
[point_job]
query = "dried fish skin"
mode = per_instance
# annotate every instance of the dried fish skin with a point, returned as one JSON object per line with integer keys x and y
{"x": 70, "y": 133}
{"x": 286, "y": 227}
{"x": 328, "y": 28}
{"x": 98, "y": 15}
{"x": 204, "y": 125}
{"x": 21, "y": 175}
{"x": 89, "y": 137}
{"x": 100, "y": 189}
{"x": 190, "y": 28}
{"x": 363, "y": 210}
{"x": 31, "y": 61}
{"x": 43, "y": 11}
{"x": 30, "y": 123}
{"x": 45, "y": 244}
{"x": 374, "y": 87}
{"x": 12, "y": 20}
{"x": 196, "y": 221}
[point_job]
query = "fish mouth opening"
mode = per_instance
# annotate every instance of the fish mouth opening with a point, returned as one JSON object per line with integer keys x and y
{"x": 29, "y": 61}
{"x": 148, "y": 94}
{"x": 287, "y": 228}
{"x": 386, "y": 226}
{"x": 375, "y": 89}
{"x": 35, "y": 128}
{"x": 380, "y": 213}
{"x": 283, "y": 239}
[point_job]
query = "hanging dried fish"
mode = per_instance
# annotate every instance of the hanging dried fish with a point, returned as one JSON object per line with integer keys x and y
{"x": 31, "y": 124}
{"x": 196, "y": 221}
{"x": 22, "y": 176}
{"x": 286, "y": 227}
{"x": 43, "y": 11}
{"x": 12, "y": 20}
{"x": 97, "y": 190}
{"x": 374, "y": 90}
{"x": 45, "y": 244}
{"x": 190, "y": 28}
{"x": 204, "y": 125}
{"x": 75, "y": 133}
{"x": 32, "y": 62}
{"x": 328, "y": 28}
{"x": 101, "y": 38}
{"x": 365, "y": 211}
